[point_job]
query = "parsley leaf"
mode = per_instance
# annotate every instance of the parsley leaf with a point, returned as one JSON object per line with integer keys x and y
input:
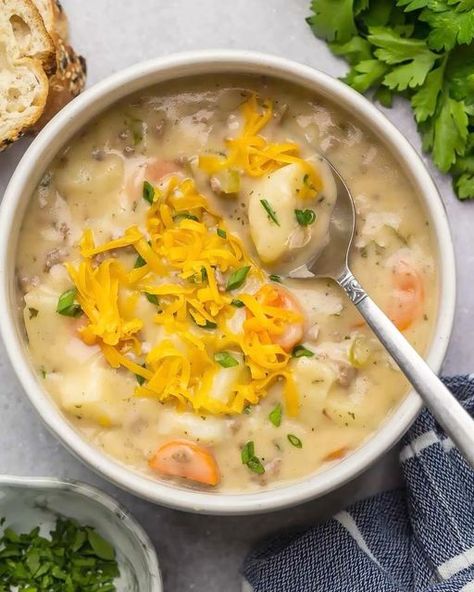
{"x": 425, "y": 100}
{"x": 465, "y": 186}
{"x": 332, "y": 19}
{"x": 355, "y": 50}
{"x": 413, "y": 54}
{"x": 450, "y": 133}
{"x": 410, "y": 5}
{"x": 366, "y": 74}
{"x": 449, "y": 28}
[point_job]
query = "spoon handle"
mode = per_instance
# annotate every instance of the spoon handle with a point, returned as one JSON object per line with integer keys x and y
{"x": 455, "y": 420}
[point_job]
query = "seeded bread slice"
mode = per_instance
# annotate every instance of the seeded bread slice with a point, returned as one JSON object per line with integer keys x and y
{"x": 27, "y": 58}
{"x": 70, "y": 76}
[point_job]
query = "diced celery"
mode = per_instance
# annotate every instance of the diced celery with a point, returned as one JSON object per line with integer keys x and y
{"x": 360, "y": 352}
{"x": 229, "y": 181}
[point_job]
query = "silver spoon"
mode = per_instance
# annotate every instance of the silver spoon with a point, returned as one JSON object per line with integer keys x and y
{"x": 333, "y": 262}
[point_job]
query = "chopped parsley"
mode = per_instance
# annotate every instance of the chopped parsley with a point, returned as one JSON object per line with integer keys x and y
{"x": 73, "y": 557}
{"x": 222, "y": 233}
{"x": 275, "y": 278}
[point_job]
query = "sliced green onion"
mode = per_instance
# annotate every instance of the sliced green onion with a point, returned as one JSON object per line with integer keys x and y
{"x": 275, "y": 415}
{"x": 248, "y": 457}
{"x": 237, "y": 303}
{"x": 139, "y": 262}
{"x": 207, "y": 324}
{"x": 270, "y": 211}
{"x": 225, "y": 359}
{"x": 248, "y": 451}
{"x": 275, "y": 278}
{"x": 308, "y": 183}
{"x": 255, "y": 465}
{"x": 152, "y": 298}
{"x": 137, "y": 130}
{"x": 148, "y": 192}
{"x": 305, "y": 217}
{"x": 222, "y": 233}
{"x": 140, "y": 379}
{"x": 237, "y": 278}
{"x": 185, "y": 216}
{"x": 66, "y": 304}
{"x": 300, "y": 351}
{"x": 295, "y": 441}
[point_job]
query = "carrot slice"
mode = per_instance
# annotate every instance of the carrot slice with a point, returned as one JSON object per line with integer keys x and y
{"x": 336, "y": 454}
{"x": 407, "y": 301}
{"x": 156, "y": 169}
{"x": 271, "y": 295}
{"x": 186, "y": 459}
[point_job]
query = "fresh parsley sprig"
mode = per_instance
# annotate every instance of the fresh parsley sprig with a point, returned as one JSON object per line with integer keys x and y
{"x": 422, "y": 50}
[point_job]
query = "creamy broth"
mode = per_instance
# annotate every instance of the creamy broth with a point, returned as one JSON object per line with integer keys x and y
{"x": 330, "y": 383}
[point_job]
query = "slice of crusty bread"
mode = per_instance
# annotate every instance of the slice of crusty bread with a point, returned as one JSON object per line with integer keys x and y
{"x": 70, "y": 76}
{"x": 39, "y": 70}
{"x": 54, "y": 17}
{"x": 27, "y": 57}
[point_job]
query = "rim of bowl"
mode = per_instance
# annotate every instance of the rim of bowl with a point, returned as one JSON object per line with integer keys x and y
{"x": 141, "y": 76}
{"x": 127, "y": 520}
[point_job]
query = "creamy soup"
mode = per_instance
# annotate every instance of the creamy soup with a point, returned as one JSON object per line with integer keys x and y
{"x": 153, "y": 268}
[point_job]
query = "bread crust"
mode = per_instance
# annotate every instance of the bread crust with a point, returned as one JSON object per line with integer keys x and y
{"x": 70, "y": 77}
{"x": 68, "y": 81}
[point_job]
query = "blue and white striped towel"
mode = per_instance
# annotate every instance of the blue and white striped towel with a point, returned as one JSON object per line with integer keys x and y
{"x": 419, "y": 538}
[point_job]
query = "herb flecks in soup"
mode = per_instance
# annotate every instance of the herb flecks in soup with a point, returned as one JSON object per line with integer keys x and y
{"x": 150, "y": 262}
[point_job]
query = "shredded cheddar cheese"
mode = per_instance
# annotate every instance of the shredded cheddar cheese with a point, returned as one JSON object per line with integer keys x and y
{"x": 253, "y": 154}
{"x": 184, "y": 263}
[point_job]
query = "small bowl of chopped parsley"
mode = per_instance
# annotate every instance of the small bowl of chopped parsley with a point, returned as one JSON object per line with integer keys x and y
{"x": 69, "y": 537}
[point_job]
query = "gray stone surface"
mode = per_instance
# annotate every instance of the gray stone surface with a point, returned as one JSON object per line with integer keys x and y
{"x": 197, "y": 552}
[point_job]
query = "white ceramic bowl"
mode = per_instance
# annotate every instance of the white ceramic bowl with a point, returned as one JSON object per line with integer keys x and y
{"x": 27, "y": 502}
{"x": 59, "y": 131}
